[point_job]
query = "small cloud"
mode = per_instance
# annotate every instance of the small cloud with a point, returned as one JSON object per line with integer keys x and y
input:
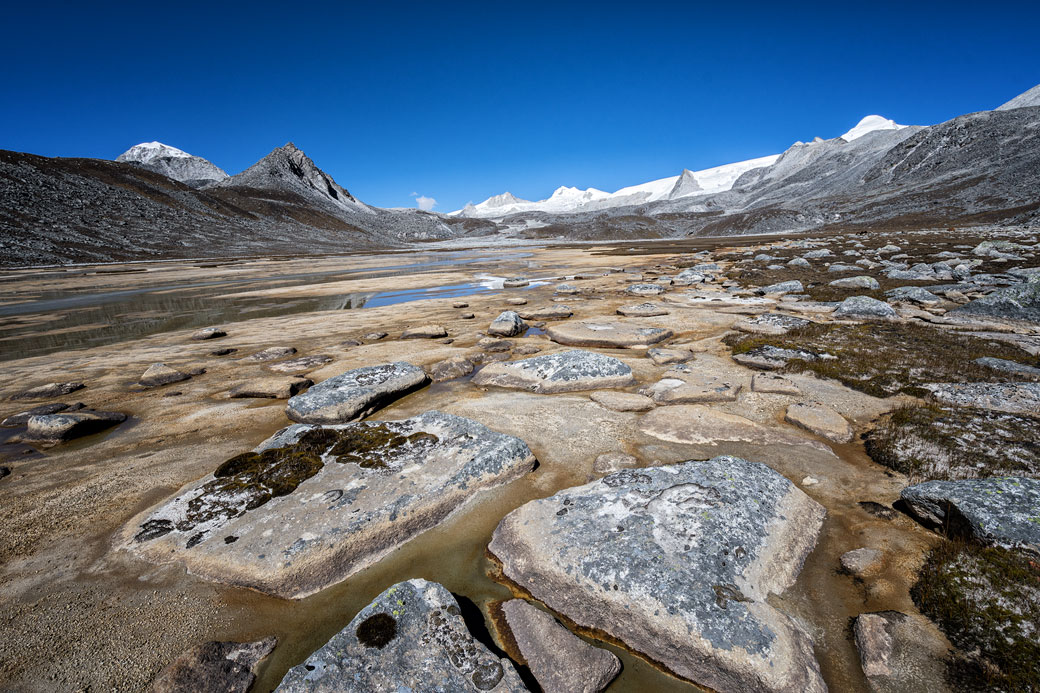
{"x": 415, "y": 194}
{"x": 425, "y": 203}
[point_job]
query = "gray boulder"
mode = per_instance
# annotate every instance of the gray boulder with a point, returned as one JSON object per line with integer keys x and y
{"x": 568, "y": 371}
{"x": 49, "y": 390}
{"x": 688, "y": 277}
{"x": 771, "y": 324}
{"x": 643, "y": 310}
{"x": 227, "y": 667}
{"x": 567, "y": 289}
{"x": 1013, "y": 398}
{"x": 864, "y": 307}
{"x": 208, "y": 333}
{"x": 424, "y": 332}
{"x": 271, "y": 354}
{"x": 271, "y": 387}
{"x": 789, "y": 287}
{"x": 300, "y": 365}
{"x": 799, "y": 262}
{"x": 451, "y": 368}
{"x": 313, "y": 504}
{"x": 356, "y": 393}
{"x": 508, "y": 324}
{"x": 410, "y": 638}
{"x": 22, "y": 417}
{"x": 610, "y": 335}
{"x": 1007, "y": 366}
{"x": 914, "y": 294}
{"x": 769, "y": 358}
{"x": 1001, "y": 511}
{"x": 159, "y": 374}
{"x": 1018, "y": 302}
{"x": 560, "y": 661}
{"x": 58, "y": 428}
{"x": 515, "y": 282}
{"x": 861, "y": 282}
{"x": 645, "y": 289}
{"x": 677, "y": 562}
{"x": 556, "y": 311}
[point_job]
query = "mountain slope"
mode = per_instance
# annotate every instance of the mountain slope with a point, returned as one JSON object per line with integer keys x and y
{"x": 1027, "y": 99}
{"x": 173, "y": 163}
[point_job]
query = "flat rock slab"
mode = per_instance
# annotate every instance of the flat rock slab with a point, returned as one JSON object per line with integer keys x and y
{"x": 554, "y": 312}
{"x": 677, "y": 562}
{"x": 22, "y": 417}
{"x": 688, "y": 385}
{"x": 622, "y": 401}
{"x": 1018, "y": 302}
{"x": 643, "y": 310}
{"x": 508, "y": 324}
{"x": 1013, "y": 398}
{"x": 410, "y": 638}
{"x": 616, "y": 335}
{"x": 697, "y": 424}
{"x": 313, "y": 505}
{"x": 300, "y": 365}
{"x": 719, "y": 299}
{"x": 861, "y": 562}
{"x": 58, "y": 428}
{"x": 214, "y": 666}
{"x": 271, "y": 354}
{"x": 1008, "y": 366}
{"x": 901, "y": 652}
{"x": 864, "y": 307}
{"x": 208, "y": 333}
{"x": 771, "y": 358}
{"x": 610, "y": 462}
{"x": 645, "y": 290}
{"x": 159, "y": 374}
{"x": 771, "y": 324}
{"x": 356, "y": 393}
{"x": 49, "y": 390}
{"x": 568, "y": 371}
{"x": 1000, "y": 511}
{"x": 424, "y": 332}
{"x": 451, "y": 368}
{"x": 560, "y": 661}
{"x": 274, "y": 387}
{"x": 819, "y": 419}
{"x": 771, "y": 383}
{"x": 663, "y": 357}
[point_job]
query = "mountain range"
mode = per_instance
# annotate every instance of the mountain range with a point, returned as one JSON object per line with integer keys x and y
{"x": 158, "y": 202}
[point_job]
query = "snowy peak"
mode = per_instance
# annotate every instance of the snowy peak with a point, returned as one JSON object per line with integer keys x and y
{"x": 1024, "y": 100}
{"x": 685, "y": 184}
{"x": 869, "y": 124}
{"x": 173, "y": 163}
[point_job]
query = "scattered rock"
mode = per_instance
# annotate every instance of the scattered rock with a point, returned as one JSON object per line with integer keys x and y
{"x": 159, "y": 374}
{"x": 792, "y": 286}
{"x": 57, "y": 428}
{"x": 1008, "y": 366}
{"x": 425, "y": 332}
{"x": 1013, "y": 398}
{"x": 771, "y": 383}
{"x": 610, "y": 462}
{"x": 861, "y": 562}
{"x": 301, "y": 365}
{"x": 271, "y": 354}
{"x": 273, "y": 387}
{"x": 914, "y": 294}
{"x": 645, "y": 289}
{"x": 22, "y": 418}
{"x": 356, "y": 393}
{"x": 222, "y": 352}
{"x": 515, "y": 283}
{"x": 771, "y": 358}
{"x": 560, "y": 661}
{"x": 663, "y": 357}
{"x": 606, "y": 334}
{"x": 508, "y": 324}
{"x": 50, "y": 390}
{"x": 819, "y": 419}
{"x": 770, "y": 324}
{"x": 326, "y": 501}
{"x": 864, "y": 307}
{"x": 4, "y": 471}
{"x": 374, "y": 336}
{"x": 686, "y": 385}
{"x": 622, "y": 401}
{"x": 799, "y": 262}
{"x": 350, "y": 343}
{"x": 1018, "y": 302}
{"x": 516, "y": 301}
{"x": 492, "y": 344}
{"x": 467, "y": 316}
{"x": 460, "y": 304}
{"x": 526, "y": 349}
{"x": 677, "y": 562}
{"x": 1000, "y": 511}
{"x": 410, "y": 638}
{"x": 208, "y": 333}
{"x": 451, "y": 368}
{"x": 859, "y": 282}
{"x": 227, "y": 667}
{"x": 643, "y": 310}
{"x": 567, "y": 289}
{"x": 554, "y": 312}
{"x": 878, "y": 510}
{"x": 566, "y": 371}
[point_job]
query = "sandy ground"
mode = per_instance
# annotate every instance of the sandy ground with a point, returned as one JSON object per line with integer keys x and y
{"x": 78, "y": 614}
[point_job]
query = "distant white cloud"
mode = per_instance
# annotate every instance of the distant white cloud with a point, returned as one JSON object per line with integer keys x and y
{"x": 425, "y": 203}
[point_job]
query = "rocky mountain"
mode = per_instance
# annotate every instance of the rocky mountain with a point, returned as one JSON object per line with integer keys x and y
{"x": 59, "y": 211}
{"x": 173, "y": 163}
{"x": 1026, "y": 99}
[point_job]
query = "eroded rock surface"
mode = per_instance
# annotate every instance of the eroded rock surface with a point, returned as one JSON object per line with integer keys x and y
{"x": 553, "y": 312}
{"x": 606, "y": 334}
{"x": 159, "y": 374}
{"x": 677, "y": 562}
{"x": 771, "y": 323}
{"x": 301, "y": 365}
{"x": 49, "y": 390}
{"x": 214, "y": 666}
{"x": 819, "y": 419}
{"x": 900, "y": 652}
{"x": 410, "y": 638}
{"x": 313, "y": 505}
{"x": 643, "y": 310}
{"x": 356, "y": 393}
{"x": 1013, "y": 398}
{"x": 567, "y": 371}
{"x": 50, "y": 429}
{"x": 508, "y": 324}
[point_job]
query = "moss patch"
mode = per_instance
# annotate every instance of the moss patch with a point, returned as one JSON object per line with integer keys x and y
{"x": 931, "y": 442}
{"x": 377, "y": 630}
{"x": 987, "y": 601}
{"x": 883, "y": 359}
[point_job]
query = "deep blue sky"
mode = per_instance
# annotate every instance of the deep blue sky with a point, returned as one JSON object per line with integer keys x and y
{"x": 462, "y": 102}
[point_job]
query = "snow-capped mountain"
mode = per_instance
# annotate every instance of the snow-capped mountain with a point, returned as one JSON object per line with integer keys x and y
{"x": 173, "y": 163}
{"x": 569, "y": 200}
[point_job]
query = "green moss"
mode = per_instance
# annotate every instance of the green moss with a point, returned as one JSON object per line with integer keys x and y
{"x": 371, "y": 445}
{"x": 886, "y": 358}
{"x": 987, "y": 601}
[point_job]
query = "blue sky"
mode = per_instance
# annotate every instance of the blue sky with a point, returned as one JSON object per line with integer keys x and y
{"x": 459, "y": 102}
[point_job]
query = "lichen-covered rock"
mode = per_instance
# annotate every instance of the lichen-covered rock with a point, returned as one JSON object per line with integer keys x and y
{"x": 508, "y": 324}
{"x": 49, "y": 390}
{"x": 860, "y": 282}
{"x": 567, "y": 289}
{"x": 616, "y": 335}
{"x": 771, "y": 358}
{"x": 771, "y": 324}
{"x": 688, "y": 277}
{"x": 567, "y": 371}
{"x": 913, "y": 294}
{"x": 356, "y": 393}
{"x": 1001, "y": 511}
{"x": 819, "y": 419}
{"x": 677, "y": 562}
{"x": 313, "y": 505}
{"x": 58, "y": 428}
{"x": 864, "y": 307}
{"x": 560, "y": 661}
{"x": 227, "y": 667}
{"x": 273, "y": 387}
{"x": 1013, "y": 398}
{"x": 1018, "y": 302}
{"x": 792, "y": 286}
{"x": 642, "y": 310}
{"x": 159, "y": 374}
{"x": 410, "y": 638}
{"x": 300, "y": 365}
{"x": 645, "y": 290}
{"x": 271, "y": 354}
{"x": 1008, "y": 366}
